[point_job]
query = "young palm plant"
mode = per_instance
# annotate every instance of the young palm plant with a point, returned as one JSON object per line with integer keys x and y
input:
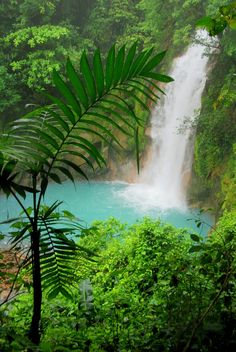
{"x": 55, "y": 142}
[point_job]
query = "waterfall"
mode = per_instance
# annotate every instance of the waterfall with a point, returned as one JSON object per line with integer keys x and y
{"x": 162, "y": 181}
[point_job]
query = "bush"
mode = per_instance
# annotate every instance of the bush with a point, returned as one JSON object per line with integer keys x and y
{"x": 151, "y": 288}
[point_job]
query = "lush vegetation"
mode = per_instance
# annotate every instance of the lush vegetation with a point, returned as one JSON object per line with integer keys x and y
{"x": 37, "y": 37}
{"x": 149, "y": 287}
{"x": 215, "y": 138}
{"x": 39, "y": 147}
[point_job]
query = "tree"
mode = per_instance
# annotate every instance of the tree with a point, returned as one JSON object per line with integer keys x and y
{"x": 29, "y": 56}
{"x": 91, "y": 102}
{"x": 226, "y": 17}
{"x": 36, "y": 51}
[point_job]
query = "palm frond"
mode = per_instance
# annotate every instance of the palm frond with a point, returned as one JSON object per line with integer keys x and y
{"x": 59, "y": 251}
{"x": 90, "y": 104}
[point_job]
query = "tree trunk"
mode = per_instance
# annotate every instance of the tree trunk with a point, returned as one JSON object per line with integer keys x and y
{"x": 34, "y": 333}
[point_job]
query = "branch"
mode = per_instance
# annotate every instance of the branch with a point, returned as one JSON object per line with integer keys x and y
{"x": 207, "y": 311}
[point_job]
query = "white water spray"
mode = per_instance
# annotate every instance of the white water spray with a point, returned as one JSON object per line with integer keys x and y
{"x": 161, "y": 183}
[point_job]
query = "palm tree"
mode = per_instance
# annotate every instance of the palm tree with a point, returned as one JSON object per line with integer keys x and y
{"x": 89, "y": 102}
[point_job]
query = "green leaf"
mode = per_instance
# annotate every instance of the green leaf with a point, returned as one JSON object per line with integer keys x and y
{"x": 118, "y": 66}
{"x": 8, "y": 221}
{"x": 55, "y": 131}
{"x": 44, "y": 185}
{"x": 53, "y": 293}
{"x": 150, "y": 82}
{"x": 85, "y": 148}
{"x": 77, "y": 84}
{"x": 101, "y": 127}
{"x": 58, "y": 119}
{"x": 65, "y": 172}
{"x": 26, "y": 227}
{"x": 218, "y": 27}
{"x": 8, "y": 168}
{"x": 206, "y": 22}
{"x": 41, "y": 147}
{"x": 90, "y": 146}
{"x": 68, "y": 214}
{"x": 66, "y": 92}
{"x": 55, "y": 177}
{"x": 19, "y": 189}
{"x": 93, "y": 132}
{"x": 206, "y": 259}
{"x": 66, "y": 293}
{"x": 75, "y": 167}
{"x": 195, "y": 237}
{"x": 49, "y": 139}
{"x": 144, "y": 56}
{"x": 232, "y": 23}
{"x": 109, "y": 120}
{"x": 135, "y": 65}
{"x": 78, "y": 154}
{"x": 51, "y": 209}
{"x": 64, "y": 108}
{"x": 195, "y": 248}
{"x": 158, "y": 77}
{"x": 128, "y": 61}
{"x": 131, "y": 93}
{"x": 88, "y": 77}
{"x": 129, "y": 108}
{"x": 230, "y": 236}
{"x": 114, "y": 113}
{"x": 98, "y": 73}
{"x": 135, "y": 86}
{"x": 145, "y": 86}
{"x": 110, "y": 67}
{"x": 153, "y": 62}
{"x": 225, "y": 10}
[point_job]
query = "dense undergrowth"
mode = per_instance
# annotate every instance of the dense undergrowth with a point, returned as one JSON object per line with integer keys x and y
{"x": 151, "y": 287}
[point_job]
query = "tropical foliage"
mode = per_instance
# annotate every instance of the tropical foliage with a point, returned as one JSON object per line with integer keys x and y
{"x": 226, "y": 17}
{"x": 61, "y": 28}
{"x": 215, "y": 138}
{"x": 39, "y": 147}
{"x": 147, "y": 287}
{"x": 152, "y": 287}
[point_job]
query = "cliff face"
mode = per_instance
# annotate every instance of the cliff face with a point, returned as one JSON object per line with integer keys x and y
{"x": 214, "y": 156}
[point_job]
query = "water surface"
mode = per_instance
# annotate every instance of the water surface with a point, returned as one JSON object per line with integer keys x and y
{"x": 101, "y": 200}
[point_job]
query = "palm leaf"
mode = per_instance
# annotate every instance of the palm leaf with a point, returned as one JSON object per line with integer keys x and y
{"x": 98, "y": 73}
{"x": 67, "y": 93}
{"x": 95, "y": 103}
{"x": 77, "y": 84}
{"x": 128, "y": 61}
{"x": 110, "y": 68}
{"x": 58, "y": 252}
{"x": 97, "y": 95}
{"x": 88, "y": 77}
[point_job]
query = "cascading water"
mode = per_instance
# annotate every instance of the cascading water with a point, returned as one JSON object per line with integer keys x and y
{"x": 161, "y": 182}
